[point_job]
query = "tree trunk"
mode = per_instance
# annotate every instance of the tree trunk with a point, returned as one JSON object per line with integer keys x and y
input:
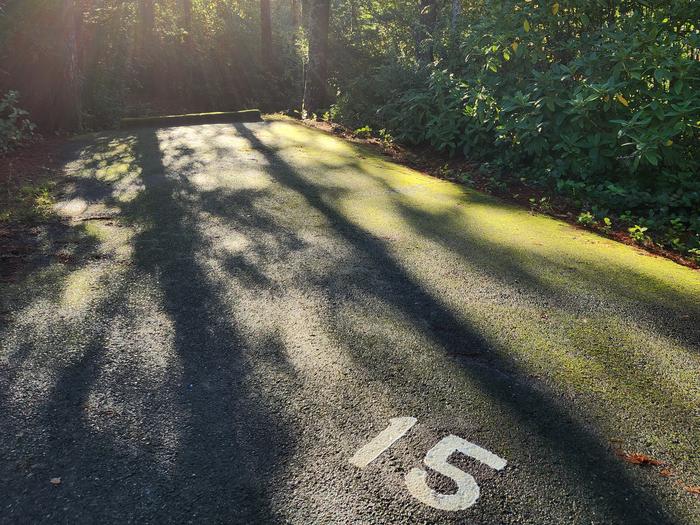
{"x": 456, "y": 11}
{"x": 146, "y": 45}
{"x": 295, "y": 15}
{"x": 305, "y": 13}
{"x": 188, "y": 64}
{"x": 353, "y": 17}
{"x": 425, "y": 30}
{"x": 265, "y": 34}
{"x": 316, "y": 88}
{"x": 147, "y": 25}
{"x": 67, "y": 101}
{"x": 187, "y": 19}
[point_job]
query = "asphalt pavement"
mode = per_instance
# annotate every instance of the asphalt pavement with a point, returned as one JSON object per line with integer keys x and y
{"x": 262, "y": 323}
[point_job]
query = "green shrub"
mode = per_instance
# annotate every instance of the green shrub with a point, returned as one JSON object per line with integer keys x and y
{"x": 28, "y": 203}
{"x": 602, "y": 107}
{"x": 638, "y": 233}
{"x": 15, "y": 126}
{"x": 364, "y": 132}
{"x": 386, "y": 137}
{"x": 586, "y": 219}
{"x": 695, "y": 254}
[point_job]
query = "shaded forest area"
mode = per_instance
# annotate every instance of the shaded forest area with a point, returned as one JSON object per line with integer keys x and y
{"x": 593, "y": 102}
{"x": 88, "y": 63}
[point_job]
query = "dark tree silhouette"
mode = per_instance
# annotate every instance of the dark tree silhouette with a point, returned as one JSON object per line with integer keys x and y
{"x": 187, "y": 19}
{"x": 425, "y": 30}
{"x": 146, "y": 44}
{"x": 316, "y": 85}
{"x": 265, "y": 34}
{"x": 147, "y": 18}
{"x": 67, "y": 93}
{"x": 295, "y": 8}
{"x": 456, "y": 11}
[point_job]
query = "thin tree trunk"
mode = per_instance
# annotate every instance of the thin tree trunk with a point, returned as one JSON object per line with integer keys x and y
{"x": 85, "y": 39}
{"x": 188, "y": 65}
{"x": 146, "y": 44}
{"x": 316, "y": 88}
{"x": 147, "y": 25}
{"x": 295, "y": 15}
{"x": 353, "y": 17}
{"x": 68, "y": 106}
{"x": 305, "y": 13}
{"x": 187, "y": 19}
{"x": 425, "y": 30}
{"x": 453, "y": 51}
{"x": 265, "y": 34}
{"x": 456, "y": 11}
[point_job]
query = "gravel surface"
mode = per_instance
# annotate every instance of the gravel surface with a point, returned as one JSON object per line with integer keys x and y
{"x": 228, "y": 312}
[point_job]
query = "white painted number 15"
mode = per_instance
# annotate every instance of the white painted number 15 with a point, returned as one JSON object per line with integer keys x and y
{"x": 436, "y": 459}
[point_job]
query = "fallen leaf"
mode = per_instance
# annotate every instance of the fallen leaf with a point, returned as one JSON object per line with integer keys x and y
{"x": 692, "y": 490}
{"x": 665, "y": 473}
{"x": 55, "y": 481}
{"x": 639, "y": 459}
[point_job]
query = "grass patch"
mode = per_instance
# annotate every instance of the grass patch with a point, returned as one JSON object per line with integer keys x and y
{"x": 34, "y": 202}
{"x": 27, "y": 179}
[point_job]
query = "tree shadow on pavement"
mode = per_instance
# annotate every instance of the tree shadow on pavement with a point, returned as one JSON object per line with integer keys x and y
{"x": 154, "y": 404}
{"x": 590, "y": 465}
{"x": 153, "y": 414}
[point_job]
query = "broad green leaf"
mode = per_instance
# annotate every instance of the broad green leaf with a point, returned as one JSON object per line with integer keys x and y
{"x": 652, "y": 158}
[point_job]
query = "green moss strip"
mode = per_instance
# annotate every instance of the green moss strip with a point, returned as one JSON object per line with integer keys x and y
{"x": 248, "y": 115}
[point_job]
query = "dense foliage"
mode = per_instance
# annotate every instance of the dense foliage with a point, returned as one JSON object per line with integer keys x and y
{"x": 14, "y": 122}
{"x": 596, "y": 101}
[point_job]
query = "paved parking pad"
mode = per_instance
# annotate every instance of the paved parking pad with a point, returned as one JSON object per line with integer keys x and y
{"x": 261, "y": 323}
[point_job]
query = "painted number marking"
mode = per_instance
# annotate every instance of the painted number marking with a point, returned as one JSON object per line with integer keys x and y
{"x": 436, "y": 459}
{"x": 398, "y": 426}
